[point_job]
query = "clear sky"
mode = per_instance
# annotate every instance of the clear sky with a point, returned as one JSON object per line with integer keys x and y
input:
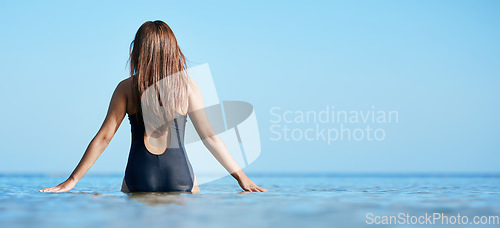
{"x": 433, "y": 62}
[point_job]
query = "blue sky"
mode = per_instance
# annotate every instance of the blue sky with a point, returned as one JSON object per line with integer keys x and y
{"x": 434, "y": 62}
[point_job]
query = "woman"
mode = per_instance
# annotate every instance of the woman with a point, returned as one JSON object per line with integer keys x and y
{"x": 157, "y": 98}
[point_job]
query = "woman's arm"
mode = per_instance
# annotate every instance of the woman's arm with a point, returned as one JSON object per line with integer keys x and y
{"x": 114, "y": 117}
{"x": 212, "y": 141}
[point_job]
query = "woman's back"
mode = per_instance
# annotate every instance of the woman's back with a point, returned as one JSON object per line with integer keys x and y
{"x": 156, "y": 164}
{"x": 164, "y": 172}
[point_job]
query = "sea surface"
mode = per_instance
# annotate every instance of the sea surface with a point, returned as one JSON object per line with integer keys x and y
{"x": 294, "y": 200}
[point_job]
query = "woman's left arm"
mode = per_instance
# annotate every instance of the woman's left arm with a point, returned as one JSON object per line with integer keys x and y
{"x": 114, "y": 117}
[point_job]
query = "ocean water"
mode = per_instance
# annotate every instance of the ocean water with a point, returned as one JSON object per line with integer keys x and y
{"x": 293, "y": 201}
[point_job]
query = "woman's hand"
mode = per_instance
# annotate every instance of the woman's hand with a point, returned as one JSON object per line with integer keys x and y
{"x": 62, "y": 187}
{"x": 249, "y": 186}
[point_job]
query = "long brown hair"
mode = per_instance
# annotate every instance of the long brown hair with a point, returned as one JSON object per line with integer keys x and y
{"x": 159, "y": 80}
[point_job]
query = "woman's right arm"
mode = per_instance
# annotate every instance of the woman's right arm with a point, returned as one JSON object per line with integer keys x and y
{"x": 213, "y": 142}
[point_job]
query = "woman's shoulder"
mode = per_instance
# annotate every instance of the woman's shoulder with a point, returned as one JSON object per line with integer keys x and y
{"x": 127, "y": 82}
{"x": 193, "y": 88}
{"x": 124, "y": 89}
{"x": 124, "y": 86}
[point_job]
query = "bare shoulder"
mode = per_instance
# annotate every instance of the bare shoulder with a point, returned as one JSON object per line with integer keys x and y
{"x": 125, "y": 83}
{"x": 123, "y": 87}
{"x": 195, "y": 98}
{"x": 124, "y": 90}
{"x": 193, "y": 88}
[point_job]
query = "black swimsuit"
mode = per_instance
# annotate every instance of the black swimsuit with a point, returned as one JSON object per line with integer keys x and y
{"x": 167, "y": 172}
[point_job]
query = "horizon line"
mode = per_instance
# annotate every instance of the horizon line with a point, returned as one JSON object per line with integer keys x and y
{"x": 285, "y": 174}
